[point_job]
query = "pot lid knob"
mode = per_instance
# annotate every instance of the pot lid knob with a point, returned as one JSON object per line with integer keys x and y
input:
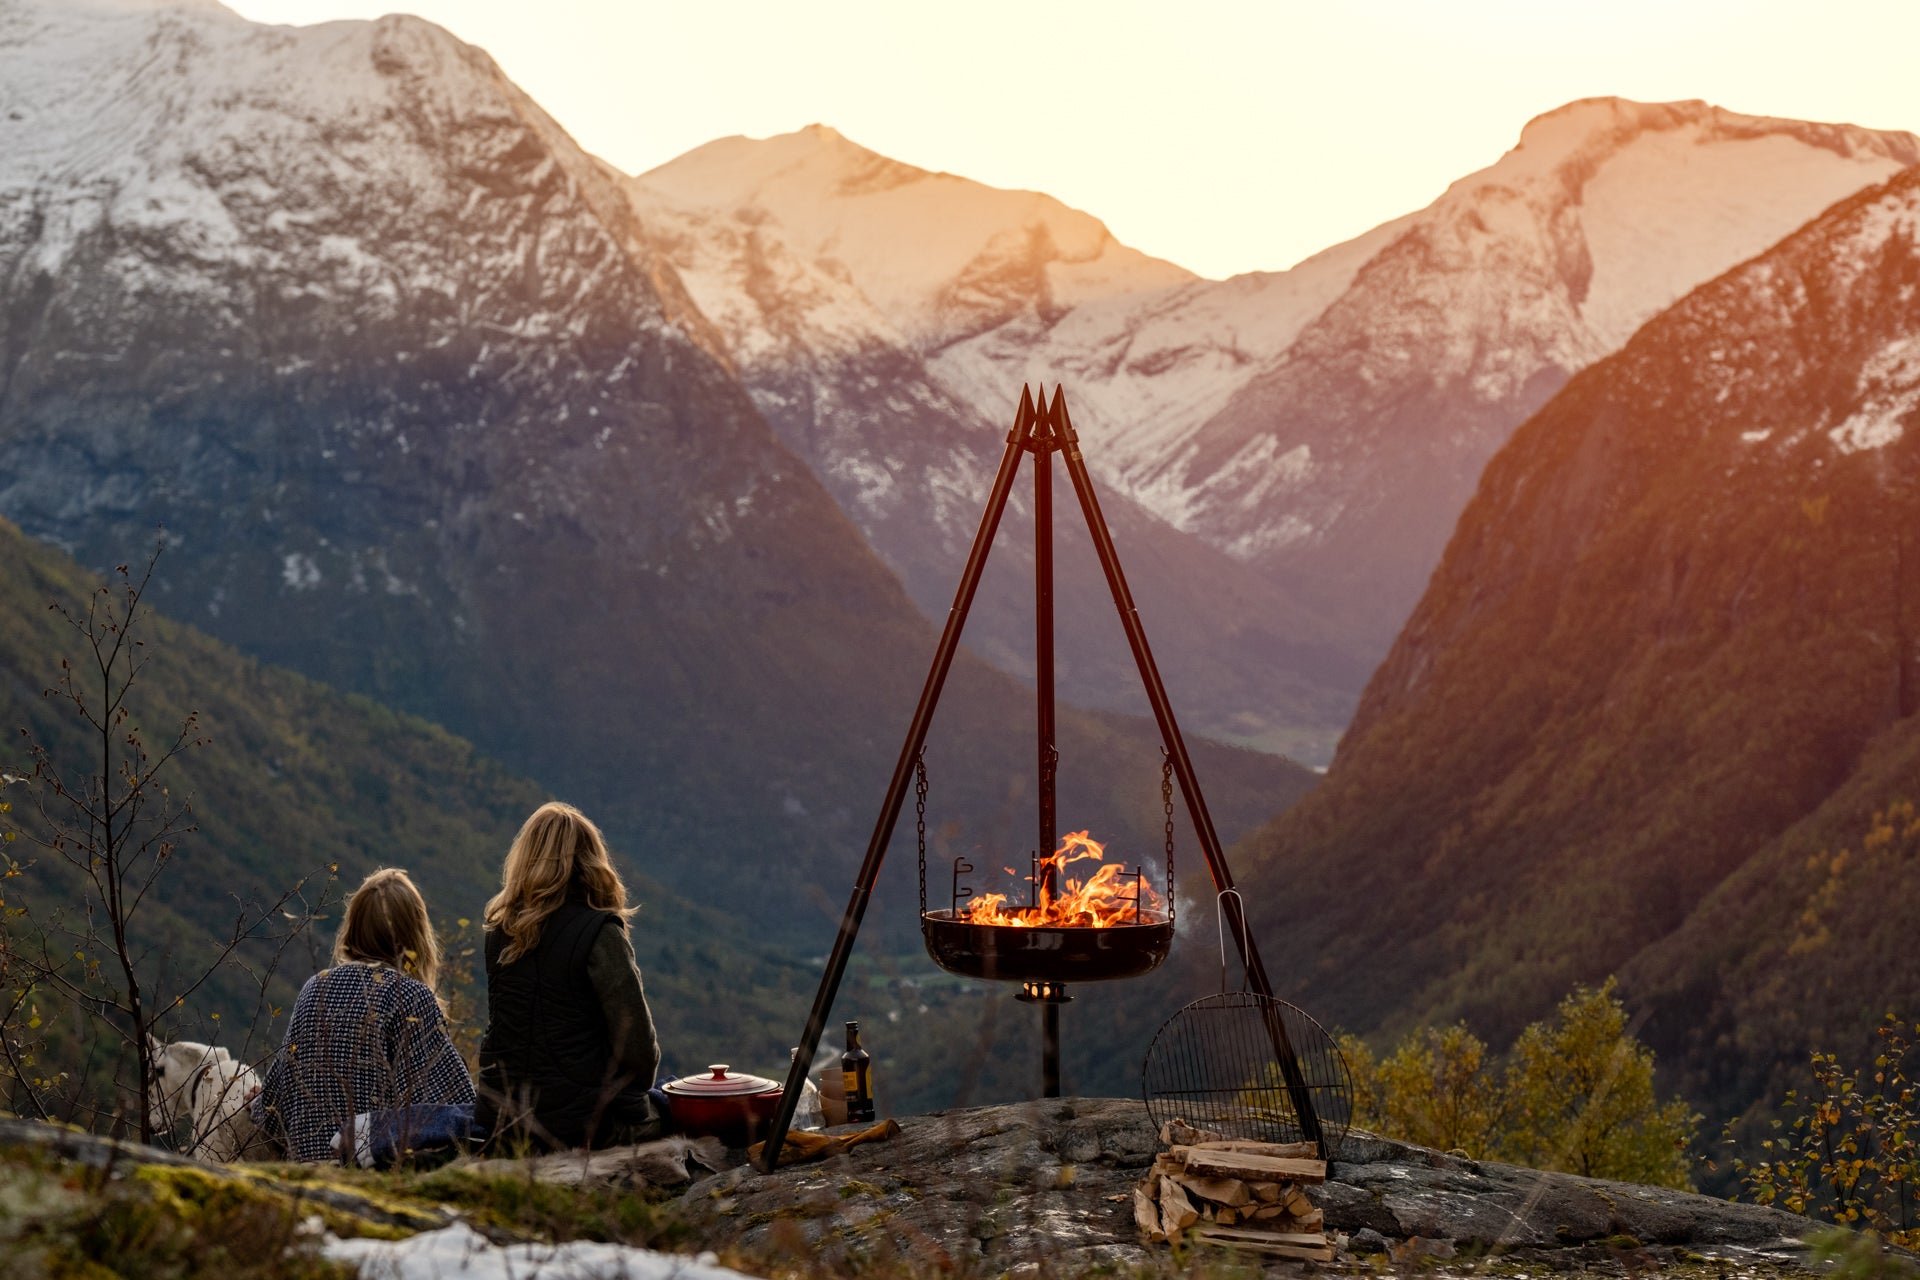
{"x": 719, "y": 1070}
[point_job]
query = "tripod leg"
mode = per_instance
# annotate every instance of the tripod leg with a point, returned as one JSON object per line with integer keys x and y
{"x": 902, "y": 774}
{"x": 1061, "y": 427}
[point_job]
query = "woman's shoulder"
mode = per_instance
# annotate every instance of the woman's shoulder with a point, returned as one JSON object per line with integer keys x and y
{"x": 371, "y": 981}
{"x": 405, "y": 992}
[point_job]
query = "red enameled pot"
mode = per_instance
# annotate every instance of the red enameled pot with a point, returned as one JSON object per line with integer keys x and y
{"x": 733, "y": 1108}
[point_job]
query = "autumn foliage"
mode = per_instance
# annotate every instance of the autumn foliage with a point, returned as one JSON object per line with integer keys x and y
{"x": 1849, "y": 1148}
{"x": 1574, "y": 1093}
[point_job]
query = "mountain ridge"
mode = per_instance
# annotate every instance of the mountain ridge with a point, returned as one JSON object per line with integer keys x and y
{"x": 1321, "y": 427}
{"x": 427, "y": 420}
{"x": 1667, "y": 656}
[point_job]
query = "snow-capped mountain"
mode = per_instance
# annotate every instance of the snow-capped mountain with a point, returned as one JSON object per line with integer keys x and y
{"x": 833, "y": 276}
{"x": 426, "y": 418}
{"x": 939, "y": 257}
{"x": 1658, "y": 711}
{"x": 1323, "y": 425}
{"x": 1343, "y": 464}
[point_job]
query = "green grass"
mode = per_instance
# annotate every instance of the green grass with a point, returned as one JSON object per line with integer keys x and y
{"x": 60, "y": 1220}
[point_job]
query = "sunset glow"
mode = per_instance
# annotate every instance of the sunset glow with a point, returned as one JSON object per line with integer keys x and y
{"x": 1226, "y": 138}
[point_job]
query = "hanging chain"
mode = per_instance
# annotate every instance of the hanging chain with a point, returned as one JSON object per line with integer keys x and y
{"x": 920, "y": 818}
{"x": 1166, "y": 803}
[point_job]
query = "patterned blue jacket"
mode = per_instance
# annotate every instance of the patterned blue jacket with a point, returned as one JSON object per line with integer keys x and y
{"x": 363, "y": 1038}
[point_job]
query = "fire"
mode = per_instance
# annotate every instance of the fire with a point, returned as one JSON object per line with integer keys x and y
{"x": 1101, "y": 901}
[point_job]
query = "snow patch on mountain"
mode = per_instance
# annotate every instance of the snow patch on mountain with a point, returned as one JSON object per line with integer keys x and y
{"x": 1889, "y": 387}
{"x": 1461, "y": 323}
{"x": 1680, "y": 206}
{"x": 771, "y": 303}
{"x": 934, "y": 253}
{"x": 1147, "y": 366}
{"x": 112, "y": 124}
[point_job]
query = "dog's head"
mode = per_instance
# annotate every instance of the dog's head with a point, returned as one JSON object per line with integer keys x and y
{"x": 178, "y": 1068}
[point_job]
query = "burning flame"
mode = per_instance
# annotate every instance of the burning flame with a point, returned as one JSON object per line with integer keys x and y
{"x": 1099, "y": 902}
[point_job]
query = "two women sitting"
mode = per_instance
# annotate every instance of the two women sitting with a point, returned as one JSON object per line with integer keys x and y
{"x": 569, "y": 1050}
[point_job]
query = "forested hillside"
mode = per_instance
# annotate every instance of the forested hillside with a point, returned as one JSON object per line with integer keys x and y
{"x": 1669, "y": 659}
{"x": 299, "y": 781}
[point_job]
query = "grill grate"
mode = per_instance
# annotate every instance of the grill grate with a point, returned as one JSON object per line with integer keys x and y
{"x": 1214, "y": 1065}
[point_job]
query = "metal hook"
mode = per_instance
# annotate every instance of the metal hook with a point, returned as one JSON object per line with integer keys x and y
{"x": 960, "y": 867}
{"x": 1220, "y": 922}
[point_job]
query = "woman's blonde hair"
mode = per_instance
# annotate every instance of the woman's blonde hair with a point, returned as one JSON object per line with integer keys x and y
{"x": 557, "y": 847}
{"x": 386, "y": 923}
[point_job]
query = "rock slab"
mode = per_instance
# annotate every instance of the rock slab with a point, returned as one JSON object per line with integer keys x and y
{"x": 1052, "y": 1181}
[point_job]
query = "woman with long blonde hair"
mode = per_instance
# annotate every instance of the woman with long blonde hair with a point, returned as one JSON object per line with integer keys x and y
{"x": 570, "y": 1050}
{"x": 368, "y": 1034}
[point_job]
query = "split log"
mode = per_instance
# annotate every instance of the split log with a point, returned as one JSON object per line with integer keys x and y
{"x": 1299, "y": 1206}
{"x": 1284, "y": 1150}
{"x": 1169, "y": 1164}
{"x": 1236, "y": 1164}
{"x": 1219, "y": 1190}
{"x": 1283, "y": 1244}
{"x": 1270, "y": 1192}
{"x": 1299, "y": 1239}
{"x": 1177, "y": 1133}
{"x": 1146, "y": 1216}
{"x": 1176, "y": 1211}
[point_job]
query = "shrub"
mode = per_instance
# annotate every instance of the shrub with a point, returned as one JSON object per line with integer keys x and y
{"x": 1849, "y": 1149}
{"x": 1575, "y": 1094}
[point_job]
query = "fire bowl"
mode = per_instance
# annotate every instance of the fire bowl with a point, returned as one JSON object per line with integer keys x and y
{"x": 1015, "y": 954}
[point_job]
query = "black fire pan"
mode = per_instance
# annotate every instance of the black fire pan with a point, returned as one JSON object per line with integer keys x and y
{"x": 1046, "y": 953}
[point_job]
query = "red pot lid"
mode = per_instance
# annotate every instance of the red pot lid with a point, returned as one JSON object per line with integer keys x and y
{"x": 719, "y": 1084}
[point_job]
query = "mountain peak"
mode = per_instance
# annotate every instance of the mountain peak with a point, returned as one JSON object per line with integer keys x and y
{"x": 1595, "y": 182}
{"x": 1588, "y": 129}
{"x": 939, "y": 255}
{"x": 729, "y": 172}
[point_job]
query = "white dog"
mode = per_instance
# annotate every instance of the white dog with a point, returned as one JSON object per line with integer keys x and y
{"x": 203, "y": 1083}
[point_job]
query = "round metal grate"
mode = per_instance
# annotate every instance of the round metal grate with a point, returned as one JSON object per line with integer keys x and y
{"x": 1216, "y": 1065}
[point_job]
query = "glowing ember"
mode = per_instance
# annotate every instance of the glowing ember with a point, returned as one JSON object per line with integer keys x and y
{"x": 1099, "y": 902}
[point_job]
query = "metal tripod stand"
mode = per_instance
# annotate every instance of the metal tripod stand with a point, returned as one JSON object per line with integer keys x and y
{"x": 1043, "y": 430}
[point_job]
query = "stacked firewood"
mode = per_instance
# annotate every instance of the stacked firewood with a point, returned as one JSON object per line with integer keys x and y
{"x": 1233, "y": 1192}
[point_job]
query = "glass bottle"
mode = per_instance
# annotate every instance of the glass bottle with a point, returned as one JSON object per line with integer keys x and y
{"x": 856, "y": 1068}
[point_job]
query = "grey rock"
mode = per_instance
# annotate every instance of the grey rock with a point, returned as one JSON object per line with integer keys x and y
{"x": 1366, "y": 1242}
{"x": 1009, "y": 1187}
{"x": 1426, "y": 1247}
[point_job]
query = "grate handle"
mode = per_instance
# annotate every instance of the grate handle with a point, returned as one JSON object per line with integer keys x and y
{"x": 1220, "y": 922}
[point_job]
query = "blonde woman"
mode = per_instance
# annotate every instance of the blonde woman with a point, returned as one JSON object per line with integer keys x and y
{"x": 368, "y": 1034}
{"x": 570, "y": 1050}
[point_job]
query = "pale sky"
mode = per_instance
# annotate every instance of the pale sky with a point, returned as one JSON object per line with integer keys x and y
{"x": 1226, "y": 137}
